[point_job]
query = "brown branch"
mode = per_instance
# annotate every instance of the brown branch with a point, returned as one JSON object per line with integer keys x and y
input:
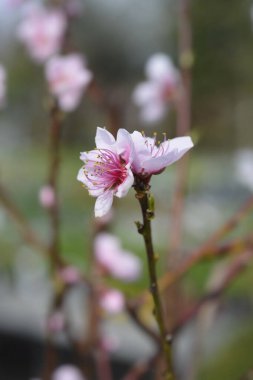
{"x": 55, "y": 137}
{"x": 27, "y": 232}
{"x": 142, "y": 368}
{"x": 239, "y": 264}
{"x": 132, "y": 312}
{"x": 183, "y": 106}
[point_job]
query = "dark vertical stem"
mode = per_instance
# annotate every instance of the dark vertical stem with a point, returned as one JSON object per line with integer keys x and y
{"x": 145, "y": 231}
{"x": 54, "y": 248}
{"x": 55, "y": 137}
{"x": 183, "y": 119}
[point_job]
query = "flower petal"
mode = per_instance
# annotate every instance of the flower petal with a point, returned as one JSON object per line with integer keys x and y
{"x": 104, "y": 139}
{"x": 154, "y": 111}
{"x": 176, "y": 149}
{"x": 125, "y": 145}
{"x": 159, "y": 67}
{"x": 126, "y": 185}
{"x": 103, "y": 203}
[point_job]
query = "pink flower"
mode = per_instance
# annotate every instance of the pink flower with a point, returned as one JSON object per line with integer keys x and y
{"x": 110, "y": 343}
{"x": 74, "y": 7}
{"x": 56, "y": 322}
{"x": 67, "y": 372}
{"x": 47, "y": 196}
{"x": 151, "y": 158}
{"x": 118, "y": 263}
{"x": 2, "y": 86}
{"x": 112, "y": 301}
{"x": 154, "y": 95}
{"x": 106, "y": 171}
{"x": 42, "y": 32}
{"x": 67, "y": 77}
{"x": 70, "y": 275}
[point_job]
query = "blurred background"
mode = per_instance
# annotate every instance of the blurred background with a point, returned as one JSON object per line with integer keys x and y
{"x": 117, "y": 38}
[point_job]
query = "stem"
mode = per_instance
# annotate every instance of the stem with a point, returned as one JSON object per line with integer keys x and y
{"x": 54, "y": 246}
{"x": 145, "y": 231}
{"x": 55, "y": 136}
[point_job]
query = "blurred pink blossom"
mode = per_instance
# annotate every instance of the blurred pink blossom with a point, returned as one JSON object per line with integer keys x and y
{"x": 67, "y": 372}
{"x": 110, "y": 343}
{"x": 106, "y": 171}
{"x": 74, "y": 7}
{"x": 67, "y": 77}
{"x": 70, "y": 275}
{"x": 120, "y": 264}
{"x": 2, "y": 86}
{"x": 154, "y": 95}
{"x": 47, "y": 196}
{"x": 42, "y": 32}
{"x": 56, "y": 322}
{"x": 152, "y": 158}
{"x": 112, "y": 301}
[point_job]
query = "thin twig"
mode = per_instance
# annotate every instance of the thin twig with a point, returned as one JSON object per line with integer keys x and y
{"x": 133, "y": 313}
{"x": 238, "y": 265}
{"x": 183, "y": 106}
{"x": 142, "y": 368}
{"x": 27, "y": 232}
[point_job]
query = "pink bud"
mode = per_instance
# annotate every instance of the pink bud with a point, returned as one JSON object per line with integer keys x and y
{"x": 112, "y": 301}
{"x": 70, "y": 275}
{"x": 67, "y": 372}
{"x": 56, "y": 322}
{"x": 47, "y": 196}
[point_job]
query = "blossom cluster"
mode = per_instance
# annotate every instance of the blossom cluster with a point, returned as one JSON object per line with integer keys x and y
{"x": 112, "y": 168}
{"x": 42, "y": 31}
{"x": 115, "y": 261}
{"x": 112, "y": 260}
{"x": 155, "y": 94}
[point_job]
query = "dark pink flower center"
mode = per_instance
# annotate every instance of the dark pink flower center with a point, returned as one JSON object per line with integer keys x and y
{"x": 107, "y": 171}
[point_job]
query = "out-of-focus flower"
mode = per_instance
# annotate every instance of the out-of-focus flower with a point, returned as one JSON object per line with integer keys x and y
{"x": 67, "y": 372}
{"x": 2, "y": 86}
{"x": 112, "y": 301}
{"x": 106, "y": 171}
{"x": 119, "y": 263}
{"x": 154, "y": 96}
{"x": 74, "y": 7}
{"x": 151, "y": 158}
{"x": 42, "y": 32}
{"x": 56, "y": 322}
{"x": 67, "y": 78}
{"x": 244, "y": 167}
{"x": 109, "y": 343}
{"x": 47, "y": 196}
{"x": 70, "y": 275}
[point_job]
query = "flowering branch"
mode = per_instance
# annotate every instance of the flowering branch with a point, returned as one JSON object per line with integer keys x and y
{"x": 143, "y": 195}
